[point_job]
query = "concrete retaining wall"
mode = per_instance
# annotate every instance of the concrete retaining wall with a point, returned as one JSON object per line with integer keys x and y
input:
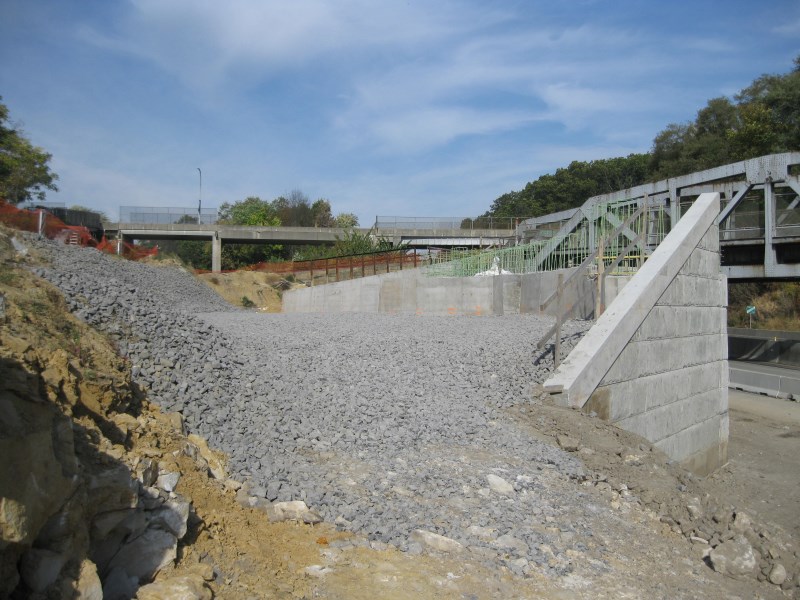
{"x": 655, "y": 363}
{"x": 413, "y": 291}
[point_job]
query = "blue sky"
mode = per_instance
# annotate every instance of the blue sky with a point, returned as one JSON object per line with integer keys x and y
{"x": 386, "y": 107}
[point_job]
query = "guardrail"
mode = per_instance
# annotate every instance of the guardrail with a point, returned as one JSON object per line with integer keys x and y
{"x": 449, "y": 223}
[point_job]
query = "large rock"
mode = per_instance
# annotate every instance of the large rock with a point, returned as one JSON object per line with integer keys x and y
{"x": 114, "y": 489}
{"x": 146, "y": 555}
{"x": 735, "y": 558}
{"x": 295, "y": 510}
{"x": 215, "y": 466}
{"x": 34, "y": 482}
{"x": 40, "y": 568}
{"x": 500, "y": 485}
{"x": 187, "y": 587}
{"x": 172, "y": 516}
{"x": 88, "y": 586}
{"x": 434, "y": 541}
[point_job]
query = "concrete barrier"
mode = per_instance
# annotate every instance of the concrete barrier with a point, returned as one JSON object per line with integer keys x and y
{"x": 655, "y": 363}
{"x": 414, "y": 292}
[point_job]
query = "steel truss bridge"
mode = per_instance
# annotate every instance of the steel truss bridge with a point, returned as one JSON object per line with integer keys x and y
{"x": 759, "y": 223}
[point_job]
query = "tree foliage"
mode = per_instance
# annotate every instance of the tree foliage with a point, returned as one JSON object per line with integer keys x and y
{"x": 764, "y": 118}
{"x": 345, "y": 221}
{"x": 294, "y": 210}
{"x": 24, "y": 171}
{"x": 571, "y": 186}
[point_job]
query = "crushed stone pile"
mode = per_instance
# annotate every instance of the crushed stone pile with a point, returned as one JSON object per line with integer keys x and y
{"x": 390, "y": 426}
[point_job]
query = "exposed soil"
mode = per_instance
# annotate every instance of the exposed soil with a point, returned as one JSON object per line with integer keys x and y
{"x": 262, "y": 289}
{"x": 763, "y": 472}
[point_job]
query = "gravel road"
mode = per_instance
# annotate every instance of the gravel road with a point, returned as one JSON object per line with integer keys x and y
{"x": 382, "y": 424}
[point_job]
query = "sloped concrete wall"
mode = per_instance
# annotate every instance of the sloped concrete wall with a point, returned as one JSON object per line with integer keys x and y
{"x": 655, "y": 363}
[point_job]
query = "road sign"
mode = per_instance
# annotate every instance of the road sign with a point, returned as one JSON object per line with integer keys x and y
{"x": 751, "y": 310}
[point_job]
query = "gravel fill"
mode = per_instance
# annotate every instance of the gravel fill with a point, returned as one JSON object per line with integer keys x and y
{"x": 382, "y": 424}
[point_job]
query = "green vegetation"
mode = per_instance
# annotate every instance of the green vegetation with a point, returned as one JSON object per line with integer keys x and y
{"x": 777, "y": 305}
{"x": 352, "y": 242}
{"x": 247, "y": 303}
{"x": 763, "y": 118}
{"x": 294, "y": 211}
{"x": 24, "y": 170}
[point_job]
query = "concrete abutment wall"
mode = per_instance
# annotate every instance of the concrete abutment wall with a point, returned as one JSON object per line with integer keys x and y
{"x": 414, "y": 292}
{"x": 655, "y": 363}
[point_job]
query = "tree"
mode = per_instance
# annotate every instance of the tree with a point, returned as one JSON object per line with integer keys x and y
{"x": 572, "y": 186}
{"x": 764, "y": 119}
{"x": 251, "y": 211}
{"x": 24, "y": 171}
{"x": 321, "y": 213}
{"x": 346, "y": 221}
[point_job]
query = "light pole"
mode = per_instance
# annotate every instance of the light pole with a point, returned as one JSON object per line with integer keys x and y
{"x": 200, "y": 201}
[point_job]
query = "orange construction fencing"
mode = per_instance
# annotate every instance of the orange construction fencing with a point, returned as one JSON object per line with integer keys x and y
{"x": 51, "y": 227}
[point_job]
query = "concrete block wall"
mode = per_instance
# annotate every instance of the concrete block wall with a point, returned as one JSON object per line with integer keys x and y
{"x": 656, "y": 362}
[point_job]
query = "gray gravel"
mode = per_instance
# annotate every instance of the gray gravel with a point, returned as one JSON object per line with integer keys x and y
{"x": 382, "y": 424}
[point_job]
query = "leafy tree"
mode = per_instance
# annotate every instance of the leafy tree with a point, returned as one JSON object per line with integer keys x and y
{"x": 321, "y": 213}
{"x": 24, "y": 170}
{"x": 251, "y": 211}
{"x": 346, "y": 221}
{"x": 764, "y": 119}
{"x": 570, "y": 187}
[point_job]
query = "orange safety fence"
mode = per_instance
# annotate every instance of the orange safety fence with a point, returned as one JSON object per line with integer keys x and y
{"x": 130, "y": 251}
{"x": 51, "y": 227}
{"x": 341, "y": 267}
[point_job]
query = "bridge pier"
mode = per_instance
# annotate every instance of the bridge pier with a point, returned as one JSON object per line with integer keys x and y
{"x": 216, "y": 253}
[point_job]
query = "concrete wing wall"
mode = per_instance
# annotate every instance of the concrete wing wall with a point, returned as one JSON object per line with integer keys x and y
{"x": 655, "y": 363}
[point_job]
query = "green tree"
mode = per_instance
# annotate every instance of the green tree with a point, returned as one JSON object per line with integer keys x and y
{"x": 321, "y": 213}
{"x": 764, "y": 119}
{"x": 252, "y": 211}
{"x": 24, "y": 170}
{"x": 571, "y": 186}
{"x": 346, "y": 221}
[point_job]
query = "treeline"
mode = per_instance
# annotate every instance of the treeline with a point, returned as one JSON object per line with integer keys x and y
{"x": 763, "y": 118}
{"x": 294, "y": 210}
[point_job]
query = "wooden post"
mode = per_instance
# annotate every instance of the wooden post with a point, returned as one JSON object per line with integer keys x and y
{"x": 559, "y": 320}
{"x": 601, "y": 279}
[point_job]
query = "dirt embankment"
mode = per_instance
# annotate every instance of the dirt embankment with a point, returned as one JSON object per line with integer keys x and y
{"x": 251, "y": 289}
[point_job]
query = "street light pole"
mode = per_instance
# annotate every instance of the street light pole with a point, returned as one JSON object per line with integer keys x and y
{"x": 200, "y": 202}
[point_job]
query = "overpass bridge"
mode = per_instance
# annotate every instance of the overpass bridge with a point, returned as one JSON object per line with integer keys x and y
{"x": 409, "y": 232}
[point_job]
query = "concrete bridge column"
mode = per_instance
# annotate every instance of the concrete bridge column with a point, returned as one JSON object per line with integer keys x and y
{"x": 770, "y": 259}
{"x": 216, "y": 253}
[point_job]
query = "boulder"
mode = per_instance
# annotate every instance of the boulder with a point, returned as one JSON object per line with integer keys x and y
{"x": 40, "y": 568}
{"x": 434, "y": 541}
{"x": 146, "y": 555}
{"x": 88, "y": 586}
{"x": 500, "y": 485}
{"x": 735, "y": 558}
{"x": 186, "y": 587}
{"x": 172, "y": 516}
{"x": 215, "y": 466}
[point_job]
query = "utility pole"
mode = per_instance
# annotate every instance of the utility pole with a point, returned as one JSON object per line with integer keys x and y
{"x": 200, "y": 201}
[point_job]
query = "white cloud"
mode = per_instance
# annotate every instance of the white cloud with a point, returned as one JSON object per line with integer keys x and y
{"x": 790, "y": 28}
